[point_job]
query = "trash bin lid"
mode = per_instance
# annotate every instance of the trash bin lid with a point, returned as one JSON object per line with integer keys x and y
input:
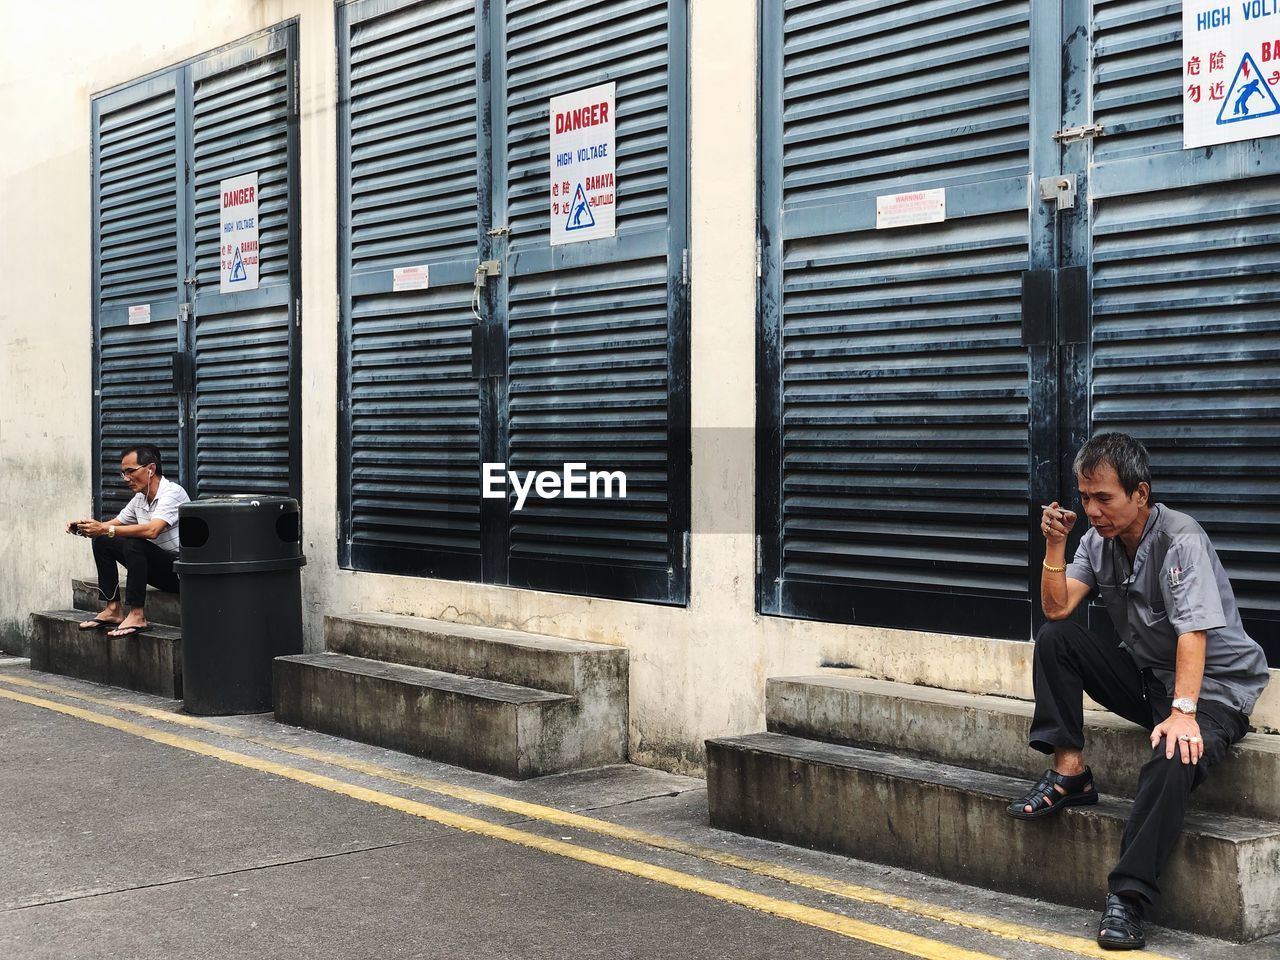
{"x": 238, "y": 528}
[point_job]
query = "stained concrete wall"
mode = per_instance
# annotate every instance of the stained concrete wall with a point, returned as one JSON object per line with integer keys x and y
{"x": 695, "y": 672}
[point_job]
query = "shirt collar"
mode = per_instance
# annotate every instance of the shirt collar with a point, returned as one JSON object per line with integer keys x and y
{"x": 160, "y": 486}
{"x": 1144, "y": 543}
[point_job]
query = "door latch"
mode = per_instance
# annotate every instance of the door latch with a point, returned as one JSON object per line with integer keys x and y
{"x": 1061, "y": 188}
{"x": 1084, "y": 132}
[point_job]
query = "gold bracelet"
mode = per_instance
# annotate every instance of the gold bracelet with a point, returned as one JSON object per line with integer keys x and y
{"x": 1045, "y": 564}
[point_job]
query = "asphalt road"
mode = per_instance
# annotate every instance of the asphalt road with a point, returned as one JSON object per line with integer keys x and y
{"x": 128, "y": 834}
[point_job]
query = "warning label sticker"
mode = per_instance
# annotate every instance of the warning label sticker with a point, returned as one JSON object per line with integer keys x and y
{"x": 910, "y": 209}
{"x": 583, "y": 182}
{"x": 239, "y": 253}
{"x": 1231, "y": 71}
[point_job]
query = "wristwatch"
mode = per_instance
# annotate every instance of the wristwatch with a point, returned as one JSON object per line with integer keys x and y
{"x": 111, "y": 532}
{"x": 1185, "y": 705}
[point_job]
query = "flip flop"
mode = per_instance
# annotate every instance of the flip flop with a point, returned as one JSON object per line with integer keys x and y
{"x": 100, "y": 624}
{"x": 127, "y": 631}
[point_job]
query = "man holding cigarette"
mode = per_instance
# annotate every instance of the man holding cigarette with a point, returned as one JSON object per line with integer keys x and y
{"x": 1184, "y": 669}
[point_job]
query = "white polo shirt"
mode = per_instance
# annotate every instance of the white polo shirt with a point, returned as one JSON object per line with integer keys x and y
{"x": 169, "y": 496}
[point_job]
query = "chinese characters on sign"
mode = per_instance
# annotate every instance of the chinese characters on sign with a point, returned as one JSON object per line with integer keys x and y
{"x": 1230, "y": 71}
{"x": 583, "y": 189}
{"x": 239, "y": 250}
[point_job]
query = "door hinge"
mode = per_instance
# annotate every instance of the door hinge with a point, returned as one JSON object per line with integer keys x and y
{"x": 297, "y": 312}
{"x": 686, "y": 551}
{"x": 684, "y": 267}
{"x": 1084, "y": 132}
{"x": 759, "y": 258}
{"x": 759, "y": 555}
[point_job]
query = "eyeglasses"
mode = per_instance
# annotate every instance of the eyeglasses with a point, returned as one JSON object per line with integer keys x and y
{"x": 127, "y": 472}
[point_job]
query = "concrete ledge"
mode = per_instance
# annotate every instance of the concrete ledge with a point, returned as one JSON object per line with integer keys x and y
{"x": 595, "y": 674}
{"x": 1223, "y": 880}
{"x": 508, "y": 656}
{"x": 990, "y": 733}
{"x": 486, "y": 725}
{"x": 161, "y": 607}
{"x": 149, "y": 662}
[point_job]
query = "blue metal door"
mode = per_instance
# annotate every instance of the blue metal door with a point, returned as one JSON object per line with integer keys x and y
{"x": 211, "y": 379}
{"x": 1186, "y": 283}
{"x": 924, "y": 388}
{"x": 138, "y": 272}
{"x": 596, "y": 332}
{"x": 895, "y": 369}
{"x": 245, "y": 346}
{"x": 564, "y": 354}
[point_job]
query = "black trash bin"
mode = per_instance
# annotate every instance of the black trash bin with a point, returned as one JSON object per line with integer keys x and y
{"x": 240, "y": 564}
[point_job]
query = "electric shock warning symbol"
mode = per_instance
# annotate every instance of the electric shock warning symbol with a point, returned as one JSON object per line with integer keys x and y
{"x": 237, "y": 268}
{"x": 580, "y": 216}
{"x": 1249, "y": 97}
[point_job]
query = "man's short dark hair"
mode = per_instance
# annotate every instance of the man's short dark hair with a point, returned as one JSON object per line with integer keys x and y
{"x": 1127, "y": 456}
{"x": 146, "y": 453}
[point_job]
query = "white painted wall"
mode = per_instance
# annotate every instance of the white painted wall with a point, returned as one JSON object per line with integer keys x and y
{"x": 696, "y": 672}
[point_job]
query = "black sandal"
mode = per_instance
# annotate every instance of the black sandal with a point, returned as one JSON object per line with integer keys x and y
{"x": 1045, "y": 801}
{"x": 97, "y": 623}
{"x": 1121, "y": 926}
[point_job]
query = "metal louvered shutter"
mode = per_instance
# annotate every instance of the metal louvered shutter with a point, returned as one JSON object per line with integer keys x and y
{"x": 1186, "y": 282}
{"x": 596, "y": 330}
{"x": 245, "y": 414}
{"x": 568, "y": 354}
{"x": 410, "y": 445}
{"x": 138, "y": 216}
{"x": 894, "y": 455}
{"x": 210, "y": 379}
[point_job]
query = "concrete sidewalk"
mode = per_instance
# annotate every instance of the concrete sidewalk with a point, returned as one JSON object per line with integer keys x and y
{"x": 127, "y": 835}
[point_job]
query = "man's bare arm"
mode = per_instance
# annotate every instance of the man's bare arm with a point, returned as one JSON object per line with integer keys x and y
{"x": 146, "y": 531}
{"x": 1189, "y": 673}
{"x": 1060, "y": 594}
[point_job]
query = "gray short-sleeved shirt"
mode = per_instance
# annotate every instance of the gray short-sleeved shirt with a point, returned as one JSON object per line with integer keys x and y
{"x": 1175, "y": 586}
{"x": 169, "y": 497}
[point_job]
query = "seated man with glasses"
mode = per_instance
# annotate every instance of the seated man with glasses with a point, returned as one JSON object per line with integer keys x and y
{"x": 1184, "y": 667}
{"x": 144, "y": 537}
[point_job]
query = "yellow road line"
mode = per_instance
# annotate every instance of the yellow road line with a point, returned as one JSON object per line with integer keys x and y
{"x": 907, "y": 943}
{"x": 800, "y": 878}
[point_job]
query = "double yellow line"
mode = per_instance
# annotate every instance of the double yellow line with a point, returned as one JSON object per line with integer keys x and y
{"x": 822, "y": 919}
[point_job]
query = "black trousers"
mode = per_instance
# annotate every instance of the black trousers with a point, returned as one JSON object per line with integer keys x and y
{"x": 144, "y": 563}
{"x": 1069, "y": 661}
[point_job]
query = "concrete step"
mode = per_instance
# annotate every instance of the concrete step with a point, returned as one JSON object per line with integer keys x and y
{"x": 990, "y": 734}
{"x": 161, "y": 607}
{"x": 594, "y": 674}
{"x": 1223, "y": 880}
{"x": 487, "y": 725}
{"x": 509, "y": 656}
{"x": 150, "y": 661}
